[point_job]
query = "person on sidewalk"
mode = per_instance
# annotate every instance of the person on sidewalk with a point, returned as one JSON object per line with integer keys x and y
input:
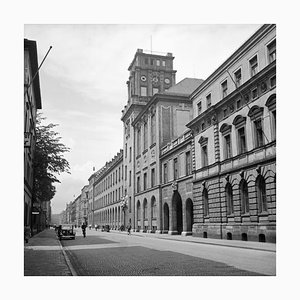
{"x": 129, "y": 228}
{"x": 83, "y": 227}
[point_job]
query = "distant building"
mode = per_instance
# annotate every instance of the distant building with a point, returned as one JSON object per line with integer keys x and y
{"x": 83, "y": 206}
{"x": 109, "y": 193}
{"x": 32, "y": 102}
{"x": 234, "y": 129}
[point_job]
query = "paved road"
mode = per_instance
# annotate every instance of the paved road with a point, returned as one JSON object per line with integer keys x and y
{"x": 117, "y": 254}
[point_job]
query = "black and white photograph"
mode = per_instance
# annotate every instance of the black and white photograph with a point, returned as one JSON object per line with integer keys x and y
{"x": 134, "y": 167}
{"x": 149, "y": 165}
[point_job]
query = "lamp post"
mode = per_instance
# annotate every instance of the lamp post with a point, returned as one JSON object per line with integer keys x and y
{"x": 124, "y": 202}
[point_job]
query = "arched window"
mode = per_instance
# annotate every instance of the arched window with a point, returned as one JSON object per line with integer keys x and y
{"x": 145, "y": 215}
{"x": 229, "y": 198}
{"x": 244, "y": 196}
{"x": 153, "y": 208}
{"x": 138, "y": 209}
{"x": 261, "y": 194}
{"x": 205, "y": 202}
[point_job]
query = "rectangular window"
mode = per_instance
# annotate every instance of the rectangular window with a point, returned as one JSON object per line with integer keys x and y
{"x": 224, "y": 89}
{"x": 203, "y": 126}
{"x": 125, "y": 173}
{"x": 238, "y": 77}
{"x": 199, "y": 104}
{"x": 208, "y": 101}
{"x": 129, "y": 178}
{"x": 272, "y": 51}
{"x": 175, "y": 168}
{"x": 188, "y": 163}
{"x": 225, "y": 112}
{"x": 259, "y": 139}
{"x": 138, "y": 185}
{"x": 238, "y": 103}
{"x": 143, "y": 91}
{"x": 204, "y": 156}
{"x": 241, "y": 140}
{"x": 253, "y": 66}
{"x": 158, "y": 62}
{"x": 151, "y": 61}
{"x": 152, "y": 177}
{"x": 130, "y": 154}
{"x": 145, "y": 136}
{"x": 125, "y": 150}
{"x": 163, "y": 63}
{"x": 227, "y": 146}
{"x": 273, "y": 81}
{"x": 145, "y": 181}
{"x": 139, "y": 141}
{"x": 165, "y": 172}
{"x": 153, "y": 128}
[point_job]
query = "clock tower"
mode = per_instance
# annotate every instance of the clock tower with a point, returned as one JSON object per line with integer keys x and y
{"x": 149, "y": 73}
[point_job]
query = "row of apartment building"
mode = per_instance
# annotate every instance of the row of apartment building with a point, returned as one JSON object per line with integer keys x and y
{"x": 199, "y": 156}
{"x": 37, "y": 213}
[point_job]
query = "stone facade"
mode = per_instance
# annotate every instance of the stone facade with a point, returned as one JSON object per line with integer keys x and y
{"x": 235, "y": 144}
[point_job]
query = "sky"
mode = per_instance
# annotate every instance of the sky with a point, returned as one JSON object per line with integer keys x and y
{"x": 83, "y": 81}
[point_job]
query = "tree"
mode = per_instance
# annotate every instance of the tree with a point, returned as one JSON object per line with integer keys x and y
{"x": 48, "y": 160}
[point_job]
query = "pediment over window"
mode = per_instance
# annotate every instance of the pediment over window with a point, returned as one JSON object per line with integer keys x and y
{"x": 225, "y": 128}
{"x": 203, "y": 140}
{"x": 239, "y": 121}
{"x": 271, "y": 102}
{"x": 255, "y": 111}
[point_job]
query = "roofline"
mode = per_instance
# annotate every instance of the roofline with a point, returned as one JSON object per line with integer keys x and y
{"x": 243, "y": 48}
{"x": 147, "y": 54}
{"x": 32, "y": 48}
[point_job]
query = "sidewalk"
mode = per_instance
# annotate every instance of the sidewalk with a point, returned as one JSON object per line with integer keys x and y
{"x": 43, "y": 256}
{"x": 226, "y": 243}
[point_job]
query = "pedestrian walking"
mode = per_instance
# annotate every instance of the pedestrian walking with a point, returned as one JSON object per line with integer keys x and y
{"x": 83, "y": 228}
{"x": 129, "y": 228}
{"x": 96, "y": 227}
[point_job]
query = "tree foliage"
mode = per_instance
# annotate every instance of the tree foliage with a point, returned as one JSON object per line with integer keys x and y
{"x": 48, "y": 161}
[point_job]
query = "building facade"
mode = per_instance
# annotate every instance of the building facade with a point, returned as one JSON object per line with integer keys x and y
{"x": 234, "y": 157}
{"x": 169, "y": 111}
{"x": 199, "y": 156}
{"x": 32, "y": 102}
{"x": 177, "y": 185}
{"x": 149, "y": 73}
{"x": 109, "y": 193}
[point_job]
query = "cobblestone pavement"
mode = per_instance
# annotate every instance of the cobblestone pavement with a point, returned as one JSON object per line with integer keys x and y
{"x": 117, "y": 254}
{"x": 109, "y": 254}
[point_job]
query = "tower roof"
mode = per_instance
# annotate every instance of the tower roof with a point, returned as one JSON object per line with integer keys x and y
{"x": 186, "y": 86}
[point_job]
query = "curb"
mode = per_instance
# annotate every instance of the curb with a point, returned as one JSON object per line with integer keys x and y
{"x": 68, "y": 262}
{"x": 249, "y": 247}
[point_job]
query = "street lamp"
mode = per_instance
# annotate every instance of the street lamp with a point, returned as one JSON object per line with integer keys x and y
{"x": 124, "y": 204}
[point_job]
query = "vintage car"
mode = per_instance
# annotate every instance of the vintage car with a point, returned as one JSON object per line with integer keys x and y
{"x": 66, "y": 231}
{"x": 105, "y": 228}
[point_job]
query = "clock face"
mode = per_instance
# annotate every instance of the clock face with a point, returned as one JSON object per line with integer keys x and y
{"x": 143, "y": 78}
{"x": 167, "y": 80}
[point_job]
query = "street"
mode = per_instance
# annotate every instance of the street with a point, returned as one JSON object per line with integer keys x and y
{"x": 117, "y": 254}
